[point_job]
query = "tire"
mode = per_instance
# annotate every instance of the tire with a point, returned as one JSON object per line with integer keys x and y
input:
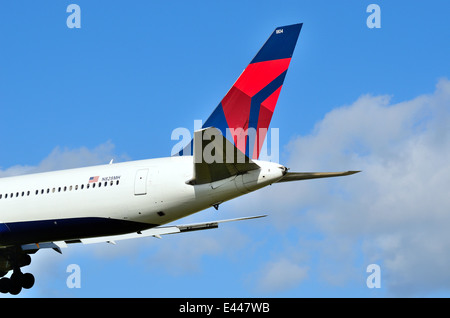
{"x": 27, "y": 280}
{"x": 5, "y": 284}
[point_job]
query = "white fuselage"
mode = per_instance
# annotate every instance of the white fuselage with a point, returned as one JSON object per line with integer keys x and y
{"x": 113, "y": 199}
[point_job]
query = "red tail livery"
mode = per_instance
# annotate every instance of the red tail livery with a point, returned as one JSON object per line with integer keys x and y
{"x": 246, "y": 110}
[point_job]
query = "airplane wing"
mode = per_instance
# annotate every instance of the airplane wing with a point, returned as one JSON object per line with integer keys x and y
{"x": 294, "y": 176}
{"x": 153, "y": 232}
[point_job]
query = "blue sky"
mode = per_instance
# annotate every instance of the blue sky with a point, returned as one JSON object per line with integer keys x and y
{"x": 354, "y": 98}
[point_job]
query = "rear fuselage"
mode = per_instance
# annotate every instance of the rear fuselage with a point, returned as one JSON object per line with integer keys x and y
{"x": 113, "y": 199}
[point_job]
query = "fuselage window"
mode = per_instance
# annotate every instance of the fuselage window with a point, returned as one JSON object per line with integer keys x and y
{"x": 53, "y": 190}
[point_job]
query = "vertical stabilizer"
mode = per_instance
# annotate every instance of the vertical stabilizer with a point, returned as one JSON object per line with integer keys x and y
{"x": 244, "y": 114}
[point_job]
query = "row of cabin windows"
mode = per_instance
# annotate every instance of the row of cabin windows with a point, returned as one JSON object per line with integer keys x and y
{"x": 59, "y": 189}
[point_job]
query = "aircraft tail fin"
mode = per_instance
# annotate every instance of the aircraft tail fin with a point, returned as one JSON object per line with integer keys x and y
{"x": 244, "y": 114}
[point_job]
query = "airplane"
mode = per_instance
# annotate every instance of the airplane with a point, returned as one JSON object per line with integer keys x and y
{"x": 135, "y": 199}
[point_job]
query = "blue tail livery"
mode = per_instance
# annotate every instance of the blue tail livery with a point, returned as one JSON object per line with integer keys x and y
{"x": 250, "y": 103}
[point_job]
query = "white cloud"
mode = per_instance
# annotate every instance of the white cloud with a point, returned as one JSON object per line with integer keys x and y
{"x": 280, "y": 275}
{"x": 396, "y": 212}
{"x": 183, "y": 254}
{"x": 66, "y": 158}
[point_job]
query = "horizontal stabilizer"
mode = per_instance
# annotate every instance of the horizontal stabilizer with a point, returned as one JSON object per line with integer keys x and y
{"x": 294, "y": 176}
{"x": 216, "y": 158}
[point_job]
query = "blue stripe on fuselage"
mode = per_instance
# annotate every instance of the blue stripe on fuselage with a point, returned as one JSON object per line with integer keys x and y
{"x": 18, "y": 233}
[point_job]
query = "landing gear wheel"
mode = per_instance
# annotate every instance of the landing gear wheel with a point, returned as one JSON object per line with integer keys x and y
{"x": 5, "y": 284}
{"x": 15, "y": 288}
{"x": 12, "y": 259}
{"x": 27, "y": 280}
{"x": 15, "y": 284}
